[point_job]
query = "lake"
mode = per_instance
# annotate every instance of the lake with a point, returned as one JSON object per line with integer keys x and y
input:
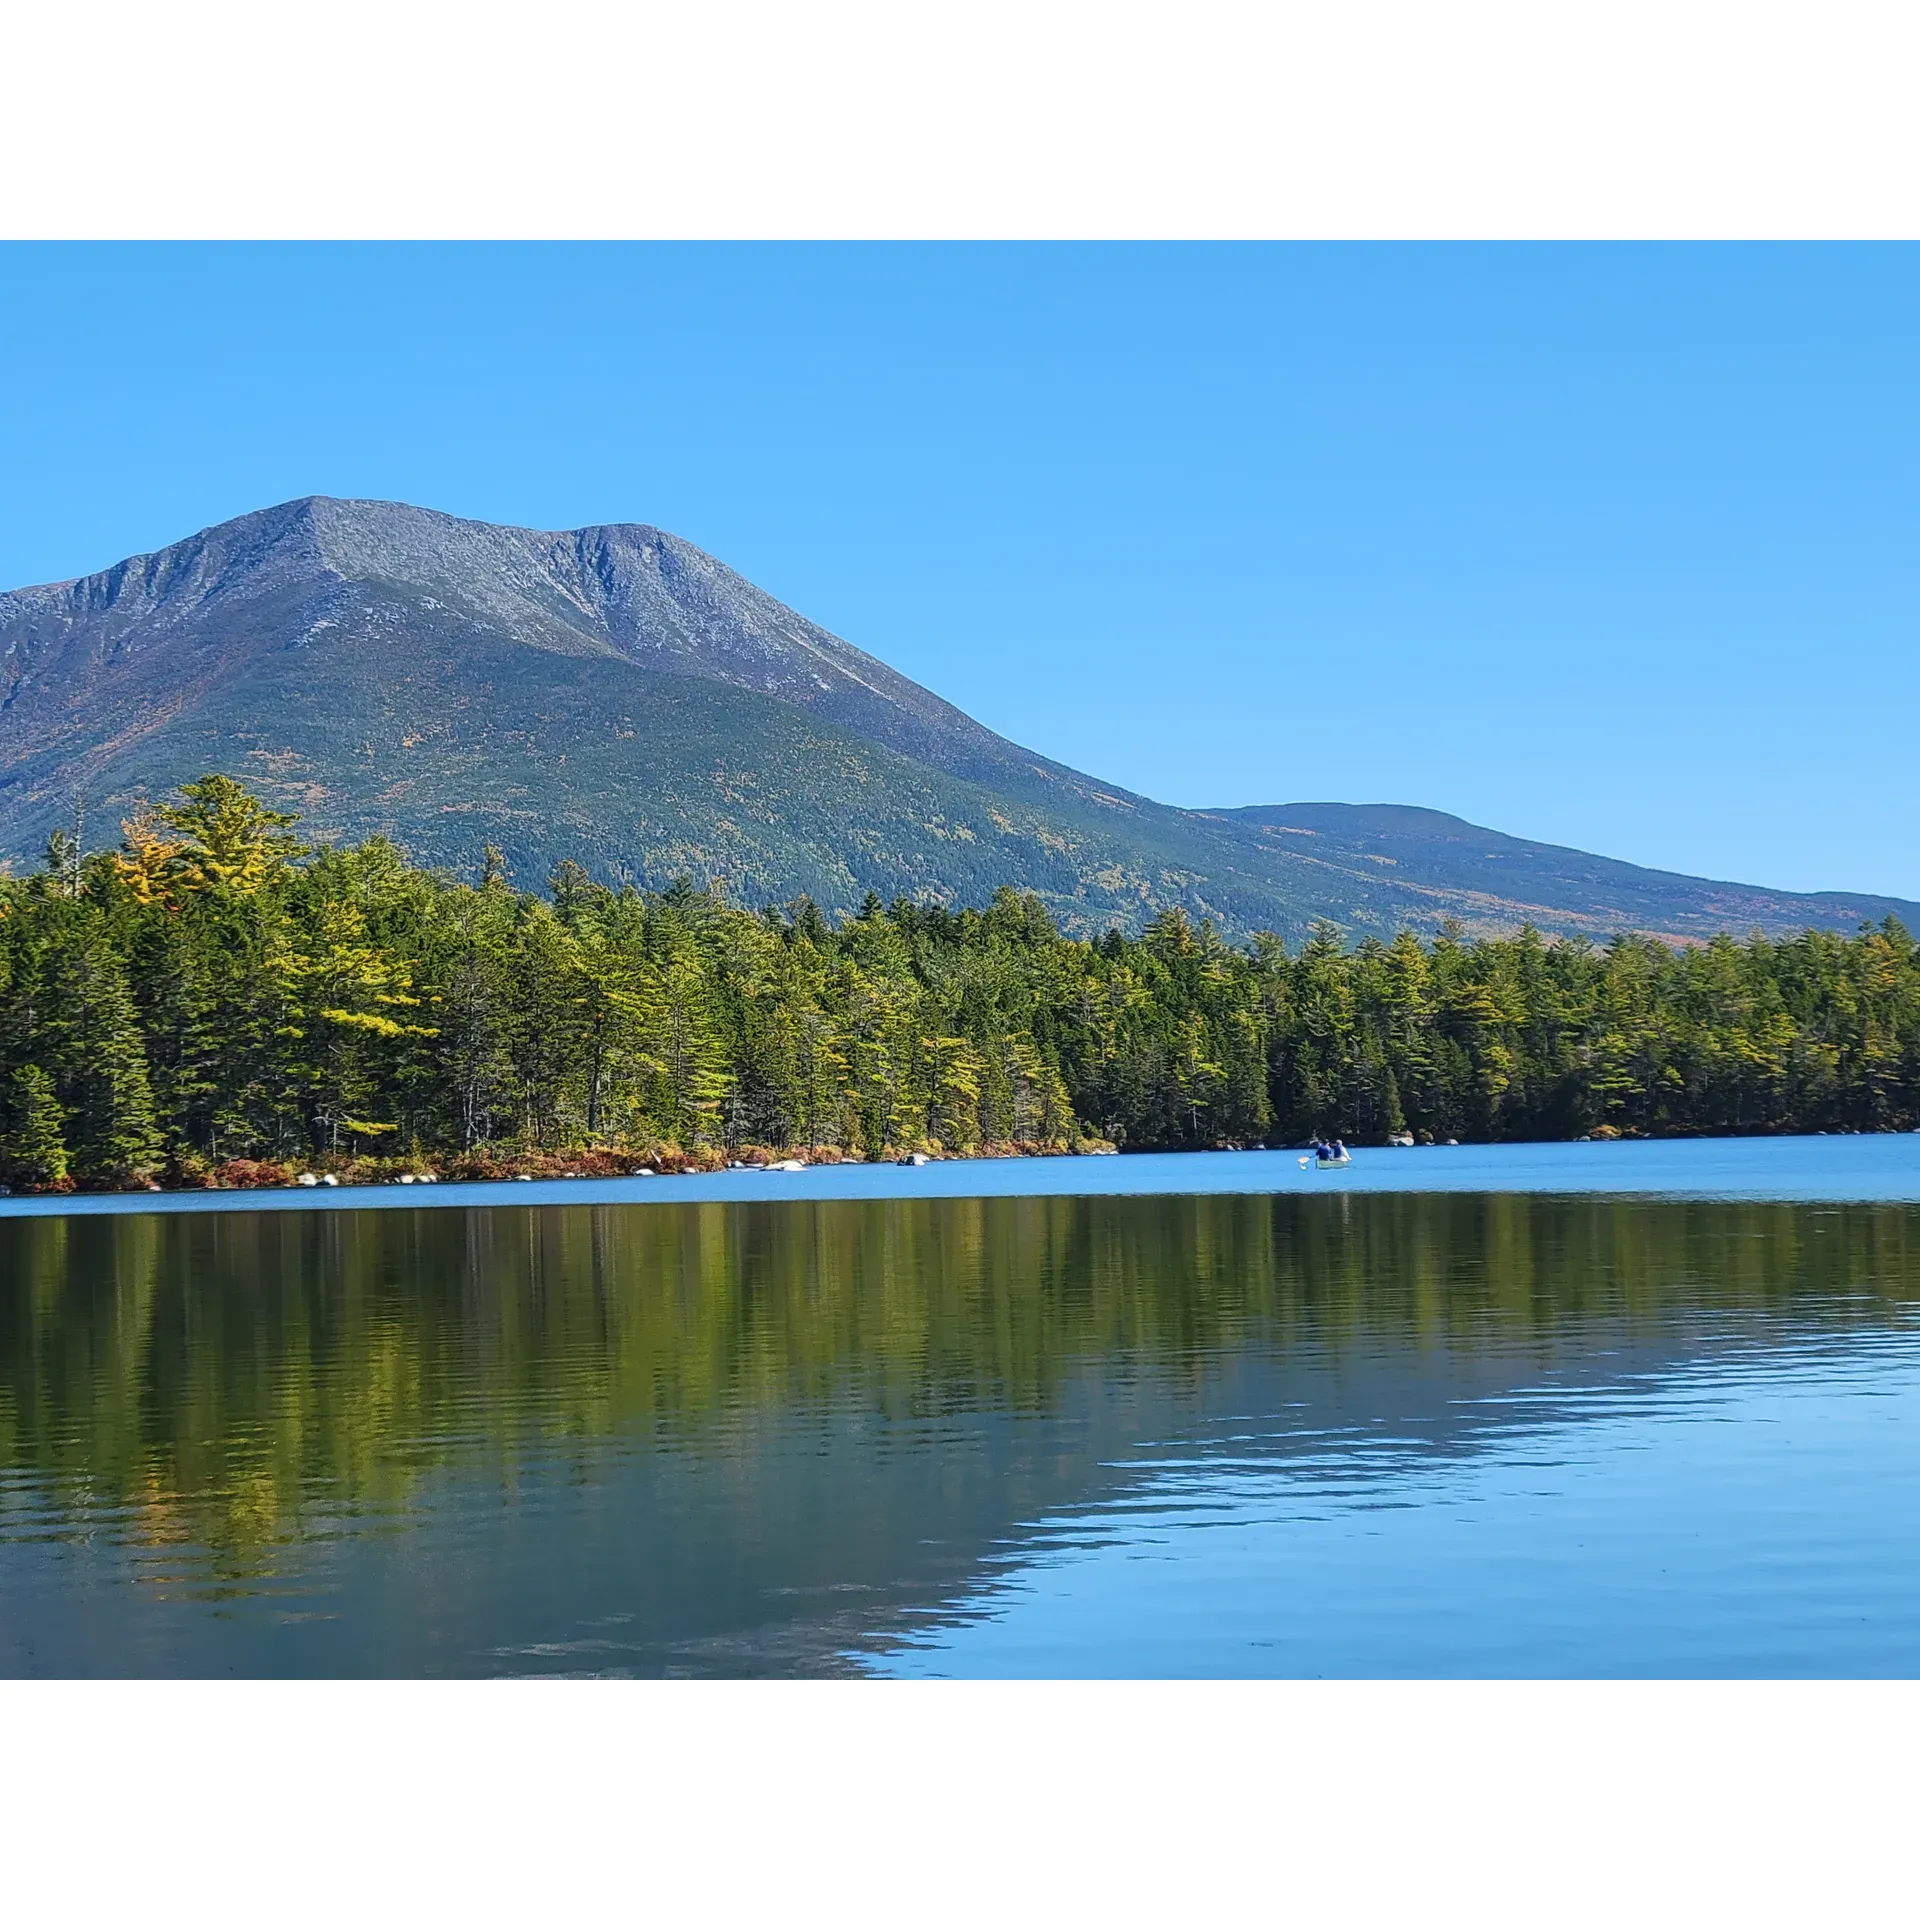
{"x": 1647, "y": 1409}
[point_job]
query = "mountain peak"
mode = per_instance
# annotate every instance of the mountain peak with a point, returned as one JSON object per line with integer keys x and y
{"x": 614, "y": 695}
{"x": 313, "y": 570}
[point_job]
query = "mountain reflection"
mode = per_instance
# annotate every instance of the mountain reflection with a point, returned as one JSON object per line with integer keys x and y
{"x": 754, "y": 1438}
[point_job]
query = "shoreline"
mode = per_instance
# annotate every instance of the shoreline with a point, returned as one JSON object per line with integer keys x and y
{"x": 605, "y": 1164}
{"x": 524, "y": 1166}
{"x": 1788, "y": 1168}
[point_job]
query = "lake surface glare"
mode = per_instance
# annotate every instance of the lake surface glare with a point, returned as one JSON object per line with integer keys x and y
{"x": 1480, "y": 1412}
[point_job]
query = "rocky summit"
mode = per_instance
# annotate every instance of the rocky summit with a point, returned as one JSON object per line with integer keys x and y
{"x": 615, "y": 696}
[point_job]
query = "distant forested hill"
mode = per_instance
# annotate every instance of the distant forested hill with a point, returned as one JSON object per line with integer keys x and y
{"x": 617, "y": 697}
{"x": 1489, "y": 875}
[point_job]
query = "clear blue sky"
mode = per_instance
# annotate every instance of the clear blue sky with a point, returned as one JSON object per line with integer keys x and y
{"x": 1615, "y": 547}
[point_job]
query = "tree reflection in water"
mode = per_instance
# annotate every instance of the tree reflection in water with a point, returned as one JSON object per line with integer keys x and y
{"x": 746, "y": 1437}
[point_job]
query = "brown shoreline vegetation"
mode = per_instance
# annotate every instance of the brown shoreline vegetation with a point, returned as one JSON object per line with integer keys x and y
{"x": 191, "y": 1174}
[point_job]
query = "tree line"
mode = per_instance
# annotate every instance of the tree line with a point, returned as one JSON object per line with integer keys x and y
{"x": 213, "y": 994}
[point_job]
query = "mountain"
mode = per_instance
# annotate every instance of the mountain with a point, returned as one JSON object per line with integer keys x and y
{"x": 1489, "y": 877}
{"x": 616, "y": 696}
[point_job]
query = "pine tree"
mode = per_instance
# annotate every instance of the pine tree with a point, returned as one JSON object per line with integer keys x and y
{"x": 33, "y": 1152}
{"x": 110, "y": 1098}
{"x": 693, "y": 1076}
{"x": 231, "y": 842}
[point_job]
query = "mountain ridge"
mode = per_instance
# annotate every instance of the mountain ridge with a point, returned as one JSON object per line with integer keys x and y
{"x": 1556, "y": 875}
{"x": 617, "y": 695}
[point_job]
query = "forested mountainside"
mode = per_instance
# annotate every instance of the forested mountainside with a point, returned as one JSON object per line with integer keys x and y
{"x": 1486, "y": 875}
{"x": 215, "y": 1003}
{"x": 615, "y": 697}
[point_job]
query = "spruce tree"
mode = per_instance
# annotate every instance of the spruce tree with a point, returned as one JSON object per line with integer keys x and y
{"x": 33, "y": 1152}
{"x": 113, "y": 1131}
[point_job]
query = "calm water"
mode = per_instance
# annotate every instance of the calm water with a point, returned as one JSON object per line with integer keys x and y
{"x": 1342, "y": 1426}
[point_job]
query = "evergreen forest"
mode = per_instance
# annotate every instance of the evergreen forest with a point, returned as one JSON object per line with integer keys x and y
{"x": 214, "y": 1002}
